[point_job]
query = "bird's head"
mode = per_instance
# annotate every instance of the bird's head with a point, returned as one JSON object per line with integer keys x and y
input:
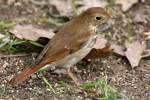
{"x": 96, "y": 17}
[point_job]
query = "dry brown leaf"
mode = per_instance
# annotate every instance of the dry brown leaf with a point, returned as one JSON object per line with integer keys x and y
{"x": 28, "y": 32}
{"x": 126, "y": 4}
{"x": 134, "y": 52}
{"x": 99, "y": 53}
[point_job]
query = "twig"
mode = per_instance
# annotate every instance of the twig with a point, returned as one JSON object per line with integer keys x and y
{"x": 38, "y": 2}
{"x": 48, "y": 84}
{"x": 16, "y": 55}
{"x": 54, "y": 22}
{"x": 74, "y": 8}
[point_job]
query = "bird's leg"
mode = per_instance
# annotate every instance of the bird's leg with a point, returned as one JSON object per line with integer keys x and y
{"x": 73, "y": 77}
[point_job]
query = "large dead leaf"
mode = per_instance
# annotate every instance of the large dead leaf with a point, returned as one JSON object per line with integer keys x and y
{"x": 134, "y": 52}
{"x": 28, "y": 32}
{"x": 126, "y": 4}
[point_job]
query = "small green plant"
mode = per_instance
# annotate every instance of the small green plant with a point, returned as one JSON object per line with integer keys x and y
{"x": 74, "y": 8}
{"x": 106, "y": 91}
{"x": 110, "y": 7}
{"x": 11, "y": 45}
{"x": 4, "y": 25}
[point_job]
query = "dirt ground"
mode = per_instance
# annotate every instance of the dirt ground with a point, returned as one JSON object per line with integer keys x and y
{"x": 134, "y": 83}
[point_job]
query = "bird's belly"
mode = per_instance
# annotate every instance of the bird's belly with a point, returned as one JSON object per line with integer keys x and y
{"x": 75, "y": 57}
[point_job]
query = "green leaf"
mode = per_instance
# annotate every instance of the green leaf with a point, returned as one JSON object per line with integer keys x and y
{"x": 36, "y": 44}
{"x": 18, "y": 42}
{"x": 88, "y": 86}
{"x": 6, "y": 25}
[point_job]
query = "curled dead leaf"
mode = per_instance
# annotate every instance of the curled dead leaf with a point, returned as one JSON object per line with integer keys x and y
{"x": 134, "y": 52}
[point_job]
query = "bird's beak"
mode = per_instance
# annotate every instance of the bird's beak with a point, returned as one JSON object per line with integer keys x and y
{"x": 106, "y": 26}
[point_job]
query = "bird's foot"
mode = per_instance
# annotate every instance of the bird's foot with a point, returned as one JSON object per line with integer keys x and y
{"x": 73, "y": 77}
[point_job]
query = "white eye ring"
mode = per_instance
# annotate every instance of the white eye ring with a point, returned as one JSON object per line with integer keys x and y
{"x": 98, "y": 17}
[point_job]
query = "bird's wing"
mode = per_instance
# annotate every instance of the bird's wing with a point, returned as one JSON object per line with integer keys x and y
{"x": 62, "y": 45}
{"x": 41, "y": 55}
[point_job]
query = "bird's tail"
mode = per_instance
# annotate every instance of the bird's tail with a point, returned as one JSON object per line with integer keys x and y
{"x": 25, "y": 74}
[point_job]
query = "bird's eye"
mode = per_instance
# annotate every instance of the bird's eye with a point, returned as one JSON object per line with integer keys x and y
{"x": 98, "y": 18}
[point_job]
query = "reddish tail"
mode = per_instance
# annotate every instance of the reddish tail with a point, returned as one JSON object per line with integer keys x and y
{"x": 25, "y": 74}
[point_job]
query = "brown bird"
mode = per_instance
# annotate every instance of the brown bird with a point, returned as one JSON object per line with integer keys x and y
{"x": 71, "y": 44}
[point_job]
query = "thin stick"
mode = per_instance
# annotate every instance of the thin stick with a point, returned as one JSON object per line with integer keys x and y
{"x": 49, "y": 85}
{"x": 17, "y": 55}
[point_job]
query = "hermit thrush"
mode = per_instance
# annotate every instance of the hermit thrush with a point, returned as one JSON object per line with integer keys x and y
{"x": 71, "y": 44}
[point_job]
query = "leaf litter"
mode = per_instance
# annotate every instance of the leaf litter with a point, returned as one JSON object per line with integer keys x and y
{"x": 134, "y": 52}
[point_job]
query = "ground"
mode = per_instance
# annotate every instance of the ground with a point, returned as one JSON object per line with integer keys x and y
{"x": 133, "y": 83}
